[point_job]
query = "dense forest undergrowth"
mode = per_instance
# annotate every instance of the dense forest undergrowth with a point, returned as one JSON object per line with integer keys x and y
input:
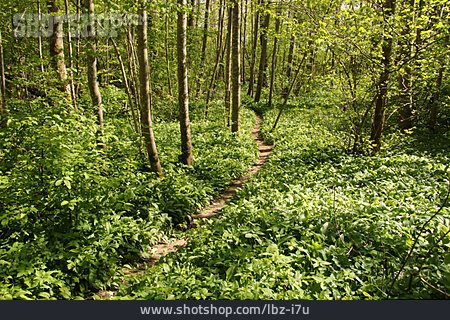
{"x": 120, "y": 120}
{"x": 318, "y": 223}
{"x": 72, "y": 213}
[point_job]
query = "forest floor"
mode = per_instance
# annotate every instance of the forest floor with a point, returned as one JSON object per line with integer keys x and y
{"x": 160, "y": 250}
{"x": 316, "y": 223}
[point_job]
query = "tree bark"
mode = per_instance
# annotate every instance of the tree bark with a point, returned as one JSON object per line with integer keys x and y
{"x": 263, "y": 58}
{"x": 132, "y": 68}
{"x": 166, "y": 40}
{"x": 205, "y": 31}
{"x": 127, "y": 86}
{"x": 243, "y": 37}
{"x": 404, "y": 78}
{"x": 70, "y": 55}
{"x": 40, "y": 36}
{"x": 145, "y": 94}
{"x": 274, "y": 61}
{"x": 219, "y": 41}
{"x": 229, "y": 41}
{"x": 435, "y": 100}
{"x": 251, "y": 80}
{"x": 3, "y": 108}
{"x": 382, "y": 86}
{"x": 183, "y": 91}
{"x": 236, "y": 67}
{"x": 191, "y": 18}
{"x": 286, "y": 97}
{"x": 203, "y": 48}
{"x": 94, "y": 88}
{"x": 290, "y": 60}
{"x": 78, "y": 49}
{"x": 57, "y": 45}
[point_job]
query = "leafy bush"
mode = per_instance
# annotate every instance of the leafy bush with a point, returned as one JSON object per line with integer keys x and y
{"x": 72, "y": 214}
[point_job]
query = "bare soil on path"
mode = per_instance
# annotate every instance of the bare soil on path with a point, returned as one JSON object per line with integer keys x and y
{"x": 160, "y": 250}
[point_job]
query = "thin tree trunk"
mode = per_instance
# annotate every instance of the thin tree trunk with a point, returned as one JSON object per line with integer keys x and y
{"x": 203, "y": 49}
{"x": 78, "y": 50}
{"x": 263, "y": 57}
{"x": 183, "y": 90}
{"x": 382, "y": 86}
{"x": 405, "y": 76}
{"x": 435, "y": 100}
{"x": 57, "y": 45}
{"x": 434, "y": 103}
{"x": 220, "y": 25}
{"x": 94, "y": 89}
{"x": 243, "y": 37}
{"x": 3, "y": 108}
{"x": 70, "y": 55}
{"x": 191, "y": 18}
{"x": 290, "y": 60}
{"x": 218, "y": 55}
{"x": 205, "y": 31}
{"x": 229, "y": 41}
{"x": 286, "y": 97}
{"x": 127, "y": 86}
{"x": 145, "y": 94}
{"x": 166, "y": 40}
{"x": 132, "y": 67}
{"x": 251, "y": 81}
{"x": 236, "y": 67}
{"x": 40, "y": 36}
{"x": 274, "y": 61}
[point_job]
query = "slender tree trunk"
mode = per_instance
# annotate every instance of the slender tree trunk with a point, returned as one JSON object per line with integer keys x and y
{"x": 205, "y": 31}
{"x": 236, "y": 67}
{"x": 127, "y": 86}
{"x": 218, "y": 55}
{"x": 70, "y": 55}
{"x": 57, "y": 45}
{"x": 203, "y": 49}
{"x": 40, "y": 36}
{"x": 229, "y": 41}
{"x": 132, "y": 67}
{"x": 183, "y": 91}
{"x": 220, "y": 25}
{"x": 3, "y": 108}
{"x": 78, "y": 50}
{"x": 405, "y": 76}
{"x": 434, "y": 103}
{"x": 382, "y": 86}
{"x": 191, "y": 18}
{"x": 94, "y": 88}
{"x": 435, "y": 100}
{"x": 251, "y": 81}
{"x": 166, "y": 38}
{"x": 263, "y": 58}
{"x": 286, "y": 97}
{"x": 274, "y": 61}
{"x": 244, "y": 11}
{"x": 145, "y": 94}
{"x": 290, "y": 60}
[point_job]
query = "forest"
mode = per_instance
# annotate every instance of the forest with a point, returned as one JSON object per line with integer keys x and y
{"x": 224, "y": 149}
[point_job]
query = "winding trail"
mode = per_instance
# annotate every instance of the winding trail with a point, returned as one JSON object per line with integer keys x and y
{"x": 264, "y": 151}
{"x": 160, "y": 250}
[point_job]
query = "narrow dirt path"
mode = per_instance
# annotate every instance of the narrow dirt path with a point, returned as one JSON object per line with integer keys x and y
{"x": 264, "y": 151}
{"x": 160, "y": 250}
